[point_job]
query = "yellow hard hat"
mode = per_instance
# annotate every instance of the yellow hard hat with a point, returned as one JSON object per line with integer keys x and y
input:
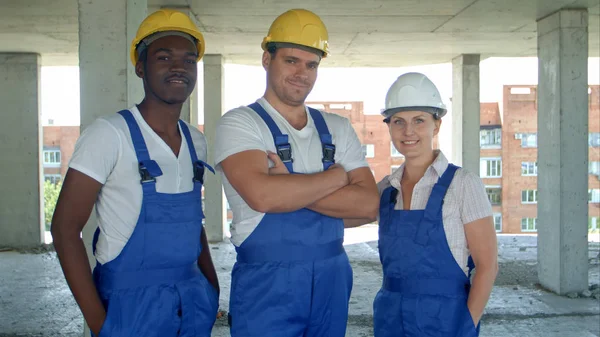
{"x": 301, "y": 27}
{"x": 167, "y": 20}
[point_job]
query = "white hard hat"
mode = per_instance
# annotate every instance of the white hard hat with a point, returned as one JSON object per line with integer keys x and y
{"x": 413, "y": 92}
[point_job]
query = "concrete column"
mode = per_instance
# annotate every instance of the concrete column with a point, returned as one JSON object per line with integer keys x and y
{"x": 213, "y": 110}
{"x": 563, "y": 151}
{"x": 189, "y": 110}
{"x": 107, "y": 78}
{"x": 21, "y": 205}
{"x": 465, "y": 111}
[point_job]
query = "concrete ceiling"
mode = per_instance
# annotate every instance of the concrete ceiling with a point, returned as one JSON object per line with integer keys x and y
{"x": 378, "y": 33}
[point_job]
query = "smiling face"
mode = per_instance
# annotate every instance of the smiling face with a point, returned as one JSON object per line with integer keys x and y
{"x": 291, "y": 74}
{"x": 169, "y": 69}
{"x": 412, "y": 132}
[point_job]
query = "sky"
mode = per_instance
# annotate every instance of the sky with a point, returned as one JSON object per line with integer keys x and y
{"x": 244, "y": 84}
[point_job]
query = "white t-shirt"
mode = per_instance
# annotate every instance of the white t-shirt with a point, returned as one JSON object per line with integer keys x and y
{"x": 242, "y": 129}
{"x": 105, "y": 152}
{"x": 465, "y": 202}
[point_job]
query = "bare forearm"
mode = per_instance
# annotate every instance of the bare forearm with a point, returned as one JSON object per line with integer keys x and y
{"x": 290, "y": 192}
{"x": 349, "y": 202}
{"x": 205, "y": 263}
{"x": 483, "y": 282}
{"x": 76, "y": 267}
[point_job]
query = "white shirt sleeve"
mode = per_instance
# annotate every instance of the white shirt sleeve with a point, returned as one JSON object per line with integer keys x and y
{"x": 475, "y": 204}
{"x": 97, "y": 150}
{"x": 236, "y": 132}
{"x": 352, "y": 156}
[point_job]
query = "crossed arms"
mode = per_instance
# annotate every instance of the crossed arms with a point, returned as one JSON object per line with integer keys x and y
{"x": 334, "y": 192}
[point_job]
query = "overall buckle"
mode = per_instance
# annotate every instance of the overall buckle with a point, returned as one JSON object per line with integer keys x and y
{"x": 284, "y": 151}
{"x": 145, "y": 175}
{"x": 329, "y": 153}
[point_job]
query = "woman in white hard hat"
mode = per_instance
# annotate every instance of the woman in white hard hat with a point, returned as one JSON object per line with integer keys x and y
{"x": 434, "y": 221}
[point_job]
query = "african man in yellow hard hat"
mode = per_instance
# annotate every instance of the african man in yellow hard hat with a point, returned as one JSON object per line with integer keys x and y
{"x": 291, "y": 175}
{"x": 143, "y": 169}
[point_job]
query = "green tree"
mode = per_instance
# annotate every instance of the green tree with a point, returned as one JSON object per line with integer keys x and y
{"x": 51, "y": 192}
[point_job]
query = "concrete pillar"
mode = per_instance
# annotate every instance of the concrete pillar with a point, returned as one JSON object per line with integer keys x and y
{"x": 21, "y": 205}
{"x": 465, "y": 111}
{"x": 563, "y": 151}
{"x": 189, "y": 110}
{"x": 213, "y": 110}
{"x": 107, "y": 78}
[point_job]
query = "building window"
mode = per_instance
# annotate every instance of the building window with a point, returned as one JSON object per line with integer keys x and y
{"x": 594, "y": 139}
{"x": 595, "y": 168}
{"x": 529, "y": 225}
{"x": 368, "y": 150}
{"x": 594, "y": 195}
{"x": 498, "y": 222}
{"x": 490, "y": 167}
{"x": 53, "y": 178}
{"x": 529, "y": 197}
{"x": 395, "y": 153}
{"x": 529, "y": 168}
{"x": 51, "y": 157}
{"x": 594, "y": 223}
{"x": 394, "y": 168}
{"x": 527, "y": 139}
{"x": 490, "y": 138}
{"x": 494, "y": 194}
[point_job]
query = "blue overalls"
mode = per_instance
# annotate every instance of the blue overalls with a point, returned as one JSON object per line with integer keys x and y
{"x": 292, "y": 277}
{"x": 154, "y": 287}
{"x": 424, "y": 290}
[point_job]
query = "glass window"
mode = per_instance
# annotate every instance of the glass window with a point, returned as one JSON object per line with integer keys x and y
{"x": 368, "y": 150}
{"x": 595, "y": 167}
{"x": 529, "y": 196}
{"x": 529, "y": 168}
{"x": 594, "y": 195}
{"x": 594, "y": 139}
{"x": 494, "y": 194}
{"x": 529, "y": 225}
{"x": 395, "y": 152}
{"x": 51, "y": 157}
{"x": 498, "y": 222}
{"x": 527, "y": 139}
{"x": 490, "y": 168}
{"x": 490, "y": 138}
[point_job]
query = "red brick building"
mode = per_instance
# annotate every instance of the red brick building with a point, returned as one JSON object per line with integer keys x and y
{"x": 508, "y": 141}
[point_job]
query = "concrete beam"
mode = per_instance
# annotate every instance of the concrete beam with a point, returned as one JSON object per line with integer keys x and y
{"x": 107, "y": 78}
{"x": 214, "y": 89}
{"x": 21, "y": 204}
{"x": 563, "y": 151}
{"x": 465, "y": 111}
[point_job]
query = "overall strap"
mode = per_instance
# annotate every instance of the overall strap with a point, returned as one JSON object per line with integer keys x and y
{"x": 148, "y": 168}
{"x": 282, "y": 145}
{"x": 433, "y": 210}
{"x": 436, "y": 198}
{"x": 199, "y": 165}
{"x": 326, "y": 139}
{"x": 387, "y": 203}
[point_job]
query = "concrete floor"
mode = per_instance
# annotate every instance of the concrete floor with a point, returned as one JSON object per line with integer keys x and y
{"x": 35, "y": 300}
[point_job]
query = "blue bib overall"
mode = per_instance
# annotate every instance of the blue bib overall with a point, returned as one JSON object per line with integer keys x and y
{"x": 292, "y": 277}
{"x": 424, "y": 290}
{"x": 154, "y": 287}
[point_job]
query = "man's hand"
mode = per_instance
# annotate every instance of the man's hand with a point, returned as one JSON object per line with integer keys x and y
{"x": 278, "y": 167}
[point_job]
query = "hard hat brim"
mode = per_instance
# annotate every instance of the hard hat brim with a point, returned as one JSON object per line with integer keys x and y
{"x": 200, "y": 45}
{"x": 436, "y": 112}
